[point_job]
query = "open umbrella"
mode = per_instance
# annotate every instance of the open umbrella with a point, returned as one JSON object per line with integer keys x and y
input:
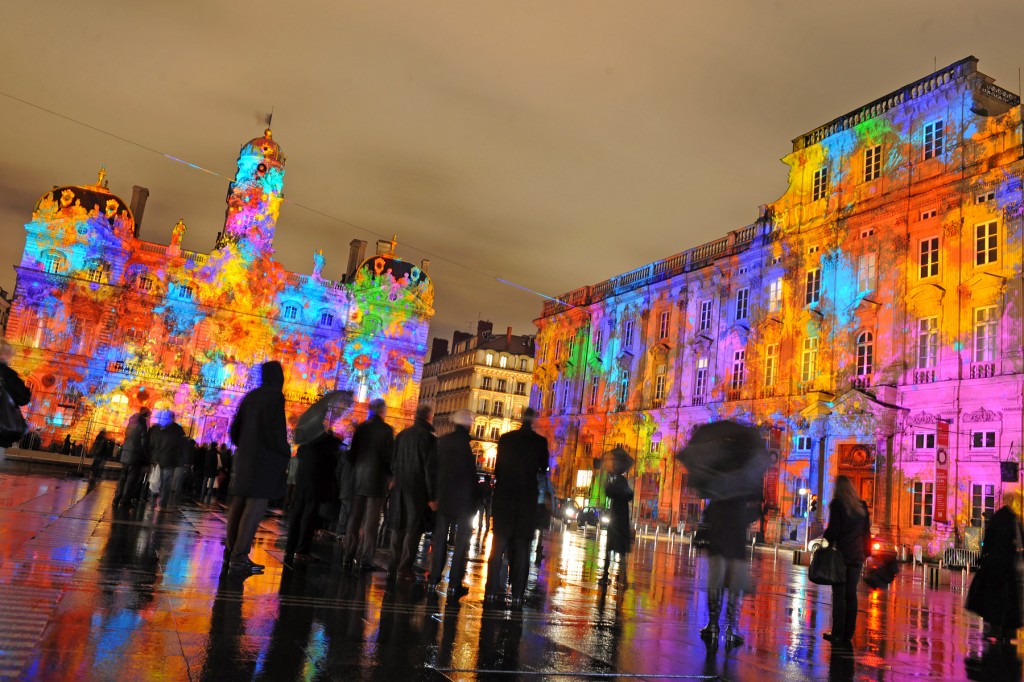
{"x": 619, "y": 460}
{"x": 311, "y": 423}
{"x": 725, "y": 460}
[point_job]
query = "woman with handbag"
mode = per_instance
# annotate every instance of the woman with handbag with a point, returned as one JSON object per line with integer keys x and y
{"x": 995, "y": 593}
{"x": 849, "y": 531}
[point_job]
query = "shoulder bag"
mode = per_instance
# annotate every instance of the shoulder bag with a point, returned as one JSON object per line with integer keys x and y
{"x": 827, "y": 567}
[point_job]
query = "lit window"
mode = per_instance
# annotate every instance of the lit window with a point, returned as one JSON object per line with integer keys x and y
{"x": 489, "y": 359}
{"x": 866, "y": 272}
{"x": 927, "y": 342}
{"x": 924, "y": 494}
{"x": 739, "y": 369}
{"x": 872, "y": 163}
{"x": 983, "y": 440}
{"x": 742, "y": 303}
{"x": 820, "y": 184}
{"x": 584, "y": 478}
{"x": 503, "y": 362}
{"x": 663, "y": 325}
{"x": 928, "y": 260}
{"x": 933, "y": 134}
{"x": 986, "y": 243}
{"x": 865, "y": 353}
{"x": 924, "y": 441}
{"x": 775, "y": 296}
{"x": 701, "y": 382}
{"x": 813, "y": 287}
{"x": 986, "y": 327}
{"x": 705, "y": 316}
{"x": 771, "y": 364}
{"x": 809, "y": 364}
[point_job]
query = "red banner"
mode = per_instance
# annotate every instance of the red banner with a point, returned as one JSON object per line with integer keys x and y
{"x": 939, "y": 513}
{"x": 771, "y": 488}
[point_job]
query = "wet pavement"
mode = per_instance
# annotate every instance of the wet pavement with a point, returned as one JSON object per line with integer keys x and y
{"x": 89, "y": 594}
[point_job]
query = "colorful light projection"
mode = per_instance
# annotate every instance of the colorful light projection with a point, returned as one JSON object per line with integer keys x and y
{"x": 879, "y": 296}
{"x": 105, "y": 322}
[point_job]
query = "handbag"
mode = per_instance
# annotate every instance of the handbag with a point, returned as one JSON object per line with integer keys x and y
{"x": 827, "y": 567}
{"x": 12, "y": 422}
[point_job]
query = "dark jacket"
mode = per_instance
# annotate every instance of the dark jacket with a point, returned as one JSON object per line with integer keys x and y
{"x": 99, "y": 448}
{"x": 727, "y": 522}
{"x": 456, "y": 479}
{"x": 166, "y": 443}
{"x": 372, "y": 445}
{"x": 260, "y": 434}
{"x": 849, "y": 533}
{"x": 522, "y": 455}
{"x": 993, "y": 594}
{"x": 210, "y": 457}
{"x": 414, "y": 463}
{"x": 136, "y": 441}
{"x": 15, "y": 387}
{"x": 315, "y": 473}
{"x": 620, "y": 536}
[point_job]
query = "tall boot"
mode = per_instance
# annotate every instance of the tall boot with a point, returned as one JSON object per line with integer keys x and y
{"x": 732, "y": 619}
{"x": 711, "y": 630}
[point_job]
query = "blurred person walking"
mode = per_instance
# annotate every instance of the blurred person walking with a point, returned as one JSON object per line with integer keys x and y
{"x": 99, "y": 454}
{"x": 260, "y": 434}
{"x": 620, "y": 531}
{"x": 372, "y": 447}
{"x": 166, "y": 440}
{"x": 15, "y": 394}
{"x": 413, "y": 467}
{"x": 995, "y": 592}
{"x": 134, "y": 459}
{"x": 849, "y": 531}
{"x": 314, "y": 485}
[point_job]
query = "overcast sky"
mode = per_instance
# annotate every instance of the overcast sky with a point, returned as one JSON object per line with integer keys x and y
{"x": 552, "y": 144}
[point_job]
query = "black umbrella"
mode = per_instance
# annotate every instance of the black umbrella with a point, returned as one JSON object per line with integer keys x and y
{"x": 725, "y": 459}
{"x": 311, "y": 423}
{"x": 619, "y": 460}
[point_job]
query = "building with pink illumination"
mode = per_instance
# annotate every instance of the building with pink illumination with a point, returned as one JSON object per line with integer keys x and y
{"x": 869, "y": 321}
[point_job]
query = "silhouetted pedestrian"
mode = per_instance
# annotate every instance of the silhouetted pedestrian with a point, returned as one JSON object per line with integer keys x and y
{"x": 522, "y": 455}
{"x": 166, "y": 440}
{"x": 849, "y": 531}
{"x": 210, "y": 466}
{"x": 98, "y": 453}
{"x": 260, "y": 434}
{"x": 314, "y": 484}
{"x": 620, "y": 533}
{"x": 413, "y": 467}
{"x": 727, "y": 522}
{"x": 372, "y": 446}
{"x": 457, "y": 501}
{"x": 134, "y": 459}
{"x": 995, "y": 593}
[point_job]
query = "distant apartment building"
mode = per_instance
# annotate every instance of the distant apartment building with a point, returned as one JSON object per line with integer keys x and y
{"x": 489, "y": 375}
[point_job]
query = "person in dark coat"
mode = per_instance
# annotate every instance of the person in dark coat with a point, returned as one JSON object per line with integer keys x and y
{"x": 372, "y": 446}
{"x": 98, "y": 452}
{"x": 458, "y": 499}
{"x": 259, "y": 470}
{"x": 522, "y": 455}
{"x": 620, "y": 535}
{"x": 413, "y": 466}
{"x": 209, "y": 473}
{"x": 166, "y": 440}
{"x": 134, "y": 459}
{"x": 849, "y": 531}
{"x": 727, "y": 522}
{"x": 994, "y": 592}
{"x": 13, "y": 385}
{"x": 314, "y": 485}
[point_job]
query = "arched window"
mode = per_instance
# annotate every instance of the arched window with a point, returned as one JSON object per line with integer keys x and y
{"x": 499, "y": 408}
{"x": 291, "y": 312}
{"x": 54, "y": 262}
{"x": 97, "y": 270}
{"x": 326, "y": 319}
{"x": 865, "y": 353}
{"x": 489, "y": 359}
{"x": 503, "y": 362}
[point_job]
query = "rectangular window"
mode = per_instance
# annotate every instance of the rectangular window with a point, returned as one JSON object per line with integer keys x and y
{"x": 872, "y": 163}
{"x": 813, "y": 249}
{"x": 803, "y": 443}
{"x": 659, "y": 383}
{"x": 598, "y": 340}
{"x": 809, "y": 364}
{"x": 503, "y": 360}
{"x": 499, "y": 407}
{"x": 813, "y": 289}
{"x": 624, "y": 389}
{"x": 866, "y": 266}
{"x": 800, "y": 501}
{"x": 924, "y": 496}
{"x": 701, "y": 382}
{"x": 933, "y": 134}
{"x": 584, "y": 478}
{"x": 565, "y": 398}
{"x": 986, "y": 243}
{"x": 594, "y": 383}
{"x": 924, "y": 441}
{"x": 495, "y": 433}
{"x": 705, "y": 316}
{"x": 501, "y": 385}
{"x": 484, "y": 405}
{"x": 983, "y": 440}
{"x": 927, "y": 342}
{"x": 928, "y": 257}
{"x": 486, "y": 384}
{"x": 771, "y": 364}
{"x": 775, "y": 296}
{"x": 663, "y": 325}
{"x": 627, "y": 334}
{"x": 983, "y": 500}
{"x": 867, "y": 232}
{"x": 929, "y": 214}
{"x": 522, "y": 365}
{"x": 520, "y": 388}
{"x": 742, "y": 303}
{"x": 479, "y": 430}
{"x": 985, "y": 197}
{"x": 986, "y": 328}
{"x": 739, "y": 370}
{"x": 820, "y": 187}
{"x": 489, "y": 359}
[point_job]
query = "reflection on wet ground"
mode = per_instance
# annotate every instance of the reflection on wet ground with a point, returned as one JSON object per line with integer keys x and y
{"x": 90, "y": 594}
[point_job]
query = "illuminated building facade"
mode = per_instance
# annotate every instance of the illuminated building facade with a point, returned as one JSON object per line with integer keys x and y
{"x": 489, "y": 375}
{"x": 869, "y": 321}
{"x": 104, "y": 322}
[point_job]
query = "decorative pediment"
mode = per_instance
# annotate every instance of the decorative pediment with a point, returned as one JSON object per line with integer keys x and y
{"x": 982, "y": 415}
{"x": 700, "y": 343}
{"x": 739, "y": 331}
{"x": 660, "y": 350}
{"x": 865, "y": 306}
{"x": 983, "y": 287}
{"x": 922, "y": 418}
{"x": 925, "y": 292}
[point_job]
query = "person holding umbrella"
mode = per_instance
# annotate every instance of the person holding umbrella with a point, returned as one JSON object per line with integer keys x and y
{"x": 616, "y": 488}
{"x": 726, "y": 462}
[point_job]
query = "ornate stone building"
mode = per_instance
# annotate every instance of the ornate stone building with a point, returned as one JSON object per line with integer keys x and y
{"x": 487, "y": 374}
{"x": 104, "y": 322}
{"x": 869, "y": 321}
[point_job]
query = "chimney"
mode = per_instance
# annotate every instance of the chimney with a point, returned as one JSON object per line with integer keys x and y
{"x": 458, "y": 337}
{"x": 508, "y": 338}
{"x": 138, "y": 207}
{"x": 356, "y": 254}
{"x": 483, "y": 327}
{"x": 438, "y": 349}
{"x": 383, "y": 247}
{"x": 425, "y": 265}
